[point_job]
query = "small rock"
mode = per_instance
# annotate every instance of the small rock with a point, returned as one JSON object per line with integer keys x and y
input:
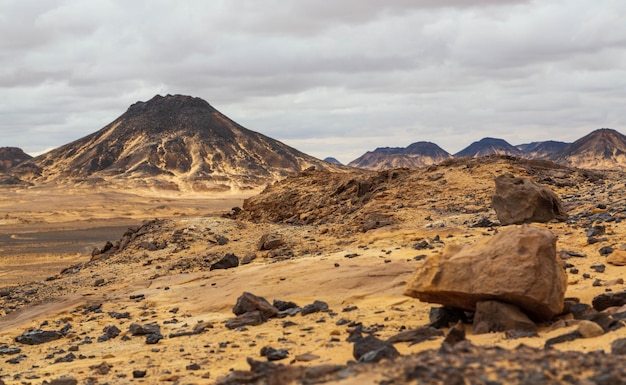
{"x": 249, "y": 302}
{"x": 442, "y": 317}
{"x": 274, "y": 354}
{"x": 270, "y": 241}
{"x": 251, "y": 318}
{"x": 617, "y": 258}
{"x": 589, "y": 329}
{"x": 67, "y": 358}
{"x": 619, "y": 346}
{"x": 153, "y": 338}
{"x": 598, "y": 267}
{"x": 315, "y": 307}
{"x": 139, "y": 373}
{"x": 415, "y": 336}
{"x": 306, "y": 357}
{"x": 372, "y": 349}
{"x": 38, "y": 336}
{"x": 607, "y": 300}
{"x": 494, "y": 316}
{"x": 228, "y": 261}
{"x": 142, "y": 330}
{"x": 571, "y": 336}
{"x": 455, "y": 335}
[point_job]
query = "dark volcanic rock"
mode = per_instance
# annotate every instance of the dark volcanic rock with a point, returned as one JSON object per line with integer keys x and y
{"x": 494, "y": 316}
{"x": 142, "y": 330}
{"x": 571, "y": 336}
{"x": 372, "y": 349}
{"x": 270, "y": 241}
{"x": 274, "y": 354}
{"x": 315, "y": 307}
{"x": 37, "y": 336}
{"x": 65, "y": 380}
{"x": 607, "y": 300}
{"x": 415, "y": 336}
{"x": 520, "y": 200}
{"x": 251, "y": 318}
{"x": 249, "y": 302}
{"x": 12, "y": 156}
{"x": 228, "y": 261}
{"x": 619, "y": 346}
{"x": 442, "y": 317}
{"x": 455, "y": 335}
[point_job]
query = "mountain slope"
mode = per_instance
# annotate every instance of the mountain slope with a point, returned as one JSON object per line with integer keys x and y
{"x": 11, "y": 156}
{"x": 488, "y": 146}
{"x": 604, "y": 148}
{"x": 548, "y": 149}
{"x": 173, "y": 142}
{"x": 418, "y": 154}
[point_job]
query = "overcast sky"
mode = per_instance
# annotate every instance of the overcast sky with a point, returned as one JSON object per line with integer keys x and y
{"x": 329, "y": 77}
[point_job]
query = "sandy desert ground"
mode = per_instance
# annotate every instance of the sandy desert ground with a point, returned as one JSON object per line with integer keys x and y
{"x": 48, "y": 282}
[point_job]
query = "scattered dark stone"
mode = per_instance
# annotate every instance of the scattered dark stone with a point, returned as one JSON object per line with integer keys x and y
{"x": 573, "y": 270}
{"x": 139, "y": 373}
{"x": 221, "y": 240}
{"x": 16, "y": 360}
{"x": 137, "y": 296}
{"x": 593, "y": 240}
{"x": 274, "y": 354}
{"x": 415, "y": 336}
{"x": 315, "y": 307}
{"x": 495, "y": 316}
{"x": 606, "y": 250}
{"x": 153, "y": 338}
{"x": 193, "y": 366}
{"x": 65, "y": 329}
{"x": 64, "y": 381}
{"x": 349, "y": 308}
{"x": 228, "y": 261}
{"x": 581, "y": 310}
{"x": 101, "y": 369}
{"x": 419, "y": 257}
{"x": 249, "y": 302}
{"x": 607, "y": 300}
{"x": 351, "y": 255}
{"x": 372, "y": 349}
{"x": 7, "y": 351}
{"x": 99, "y": 282}
{"x": 287, "y": 324}
{"x": 571, "y": 336}
{"x": 485, "y": 222}
{"x": 116, "y": 315}
{"x": 442, "y": 317}
{"x": 423, "y": 244}
{"x": 289, "y": 312}
{"x": 598, "y": 267}
{"x": 67, "y": 358}
{"x": 110, "y": 332}
{"x": 602, "y": 319}
{"x": 283, "y": 305}
{"x": 455, "y": 335}
{"x": 141, "y": 330}
{"x": 270, "y": 241}
{"x": 565, "y": 254}
{"x": 596, "y": 230}
{"x": 38, "y": 336}
{"x": 251, "y": 318}
{"x": 586, "y": 275}
{"x": 619, "y": 346}
{"x": 95, "y": 308}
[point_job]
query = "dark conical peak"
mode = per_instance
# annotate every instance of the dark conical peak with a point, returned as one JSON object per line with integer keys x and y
{"x": 169, "y": 102}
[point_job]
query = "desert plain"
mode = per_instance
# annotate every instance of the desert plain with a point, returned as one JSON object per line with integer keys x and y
{"x": 347, "y": 245}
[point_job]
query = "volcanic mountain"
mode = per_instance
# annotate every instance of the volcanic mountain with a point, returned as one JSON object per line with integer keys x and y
{"x": 171, "y": 142}
{"x": 418, "y": 154}
{"x": 11, "y": 156}
{"x": 542, "y": 150}
{"x": 604, "y": 148}
{"x": 489, "y": 146}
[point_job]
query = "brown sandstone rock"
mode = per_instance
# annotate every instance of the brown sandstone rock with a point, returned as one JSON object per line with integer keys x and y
{"x": 270, "y": 241}
{"x": 617, "y": 258}
{"x": 494, "y": 316}
{"x": 520, "y": 200}
{"x": 519, "y": 265}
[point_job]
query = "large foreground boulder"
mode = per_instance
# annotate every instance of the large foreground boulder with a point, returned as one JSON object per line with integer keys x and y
{"x": 519, "y": 266}
{"x": 520, "y": 200}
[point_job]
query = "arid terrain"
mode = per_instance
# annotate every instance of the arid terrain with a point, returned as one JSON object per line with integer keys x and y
{"x": 157, "y": 307}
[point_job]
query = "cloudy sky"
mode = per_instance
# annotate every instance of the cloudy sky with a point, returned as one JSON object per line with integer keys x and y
{"x": 329, "y": 77}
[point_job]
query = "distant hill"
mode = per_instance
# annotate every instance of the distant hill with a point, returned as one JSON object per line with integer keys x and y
{"x": 418, "y": 154}
{"x": 171, "y": 142}
{"x": 542, "y": 150}
{"x": 332, "y": 160}
{"x": 12, "y": 156}
{"x": 488, "y": 146}
{"x": 604, "y": 148}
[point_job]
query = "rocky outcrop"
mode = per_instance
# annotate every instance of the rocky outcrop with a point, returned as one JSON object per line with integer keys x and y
{"x": 520, "y": 200}
{"x": 11, "y": 156}
{"x": 519, "y": 266}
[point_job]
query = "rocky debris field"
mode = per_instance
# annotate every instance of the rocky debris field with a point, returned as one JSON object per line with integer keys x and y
{"x": 364, "y": 278}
